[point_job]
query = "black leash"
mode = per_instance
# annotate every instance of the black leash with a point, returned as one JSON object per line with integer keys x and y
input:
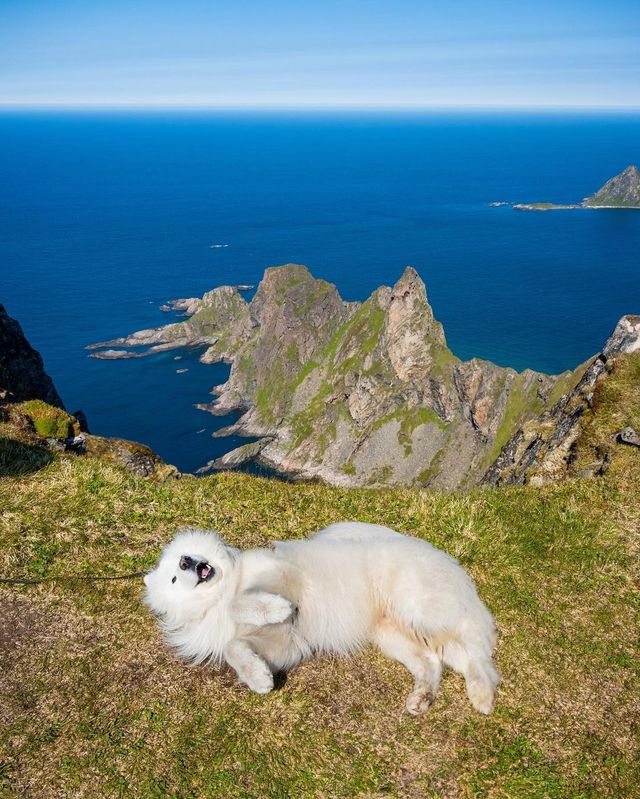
{"x": 69, "y": 578}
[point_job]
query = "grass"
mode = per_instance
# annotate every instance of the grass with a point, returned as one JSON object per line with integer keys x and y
{"x": 93, "y": 704}
{"x": 520, "y": 403}
{"x": 48, "y": 422}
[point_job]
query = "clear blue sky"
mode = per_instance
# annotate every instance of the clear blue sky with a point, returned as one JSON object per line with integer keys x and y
{"x": 320, "y": 53}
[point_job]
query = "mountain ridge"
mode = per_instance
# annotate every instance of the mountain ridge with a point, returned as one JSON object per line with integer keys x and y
{"x": 353, "y": 393}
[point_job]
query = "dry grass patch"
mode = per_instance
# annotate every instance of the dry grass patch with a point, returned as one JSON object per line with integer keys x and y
{"x": 94, "y": 705}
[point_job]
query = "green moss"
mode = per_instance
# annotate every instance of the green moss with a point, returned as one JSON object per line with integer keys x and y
{"x": 318, "y": 292}
{"x": 303, "y": 423}
{"x": 443, "y": 360}
{"x": 381, "y": 475}
{"x": 247, "y": 366}
{"x": 292, "y": 352}
{"x": 364, "y": 326}
{"x": 615, "y": 405}
{"x": 306, "y": 370}
{"x": 520, "y": 405}
{"x": 410, "y": 419}
{"x": 285, "y": 287}
{"x": 417, "y": 416}
{"x": 566, "y": 383}
{"x": 426, "y": 476}
{"x": 271, "y": 396}
{"x": 49, "y": 422}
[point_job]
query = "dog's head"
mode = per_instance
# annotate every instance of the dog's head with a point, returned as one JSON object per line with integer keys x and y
{"x": 192, "y": 573}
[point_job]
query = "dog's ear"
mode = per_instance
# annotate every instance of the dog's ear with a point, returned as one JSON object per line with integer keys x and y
{"x": 232, "y": 553}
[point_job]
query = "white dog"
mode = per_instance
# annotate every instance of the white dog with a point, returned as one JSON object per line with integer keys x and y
{"x": 265, "y": 610}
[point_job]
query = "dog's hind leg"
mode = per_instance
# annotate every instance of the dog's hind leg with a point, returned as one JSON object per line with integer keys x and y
{"x": 422, "y": 662}
{"x": 481, "y": 676}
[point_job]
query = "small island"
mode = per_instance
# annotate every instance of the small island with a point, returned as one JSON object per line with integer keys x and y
{"x": 621, "y": 191}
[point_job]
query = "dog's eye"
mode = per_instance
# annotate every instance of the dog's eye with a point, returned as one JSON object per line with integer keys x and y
{"x": 174, "y": 579}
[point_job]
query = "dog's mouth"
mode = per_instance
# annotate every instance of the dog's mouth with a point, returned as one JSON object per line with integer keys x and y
{"x": 204, "y": 571}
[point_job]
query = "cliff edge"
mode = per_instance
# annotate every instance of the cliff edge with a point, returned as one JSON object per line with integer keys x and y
{"x": 22, "y": 374}
{"x": 576, "y": 437}
{"x": 356, "y": 394}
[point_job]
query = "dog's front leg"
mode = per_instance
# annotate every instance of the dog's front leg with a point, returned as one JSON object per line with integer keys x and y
{"x": 258, "y": 608}
{"x": 251, "y": 669}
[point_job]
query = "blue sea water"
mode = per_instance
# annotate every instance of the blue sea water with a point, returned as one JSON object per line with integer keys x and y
{"x": 105, "y": 216}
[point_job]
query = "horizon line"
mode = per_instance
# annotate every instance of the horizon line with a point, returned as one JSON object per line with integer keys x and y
{"x": 310, "y": 108}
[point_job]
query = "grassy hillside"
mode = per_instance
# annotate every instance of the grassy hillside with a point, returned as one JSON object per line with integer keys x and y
{"x": 92, "y": 703}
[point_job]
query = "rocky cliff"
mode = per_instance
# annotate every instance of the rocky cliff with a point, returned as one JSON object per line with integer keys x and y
{"x": 621, "y": 191}
{"x": 33, "y": 419}
{"x": 22, "y": 374}
{"x": 353, "y": 393}
{"x": 557, "y": 444}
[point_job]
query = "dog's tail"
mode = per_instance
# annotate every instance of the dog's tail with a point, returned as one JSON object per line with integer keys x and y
{"x": 470, "y": 655}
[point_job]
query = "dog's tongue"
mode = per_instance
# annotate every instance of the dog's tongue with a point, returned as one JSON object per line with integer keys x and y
{"x": 203, "y": 571}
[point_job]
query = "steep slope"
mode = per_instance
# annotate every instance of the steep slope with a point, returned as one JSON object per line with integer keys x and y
{"x": 22, "y": 374}
{"x": 34, "y": 422}
{"x": 559, "y": 443}
{"x": 621, "y": 191}
{"x": 355, "y": 394}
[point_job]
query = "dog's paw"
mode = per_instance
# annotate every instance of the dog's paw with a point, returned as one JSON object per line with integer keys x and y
{"x": 259, "y": 608}
{"x": 260, "y": 680}
{"x": 418, "y": 702}
{"x": 482, "y": 696}
{"x": 277, "y": 609}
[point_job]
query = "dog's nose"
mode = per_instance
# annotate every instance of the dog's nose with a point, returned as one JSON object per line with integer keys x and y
{"x": 186, "y": 563}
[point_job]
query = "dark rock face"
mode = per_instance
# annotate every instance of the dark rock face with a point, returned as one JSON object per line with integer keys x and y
{"x": 542, "y": 449}
{"x": 353, "y": 393}
{"x": 621, "y": 191}
{"x": 33, "y": 409}
{"x": 22, "y": 375}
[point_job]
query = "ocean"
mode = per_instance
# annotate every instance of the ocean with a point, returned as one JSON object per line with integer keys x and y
{"x": 106, "y": 216}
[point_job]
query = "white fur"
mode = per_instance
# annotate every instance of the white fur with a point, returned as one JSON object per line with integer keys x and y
{"x": 349, "y": 585}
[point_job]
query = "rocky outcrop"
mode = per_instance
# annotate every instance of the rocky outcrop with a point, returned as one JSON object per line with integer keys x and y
{"x": 543, "y": 449}
{"x": 137, "y": 459}
{"x": 621, "y": 191}
{"x": 22, "y": 374}
{"x": 32, "y": 412}
{"x": 355, "y": 393}
{"x": 625, "y": 337}
{"x": 219, "y": 320}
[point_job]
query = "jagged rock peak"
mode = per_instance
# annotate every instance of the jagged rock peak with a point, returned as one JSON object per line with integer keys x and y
{"x": 625, "y": 337}
{"x": 295, "y": 310}
{"x": 410, "y": 292}
{"x": 293, "y": 286}
{"x": 355, "y": 393}
{"x": 285, "y": 272}
{"x": 622, "y": 190}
